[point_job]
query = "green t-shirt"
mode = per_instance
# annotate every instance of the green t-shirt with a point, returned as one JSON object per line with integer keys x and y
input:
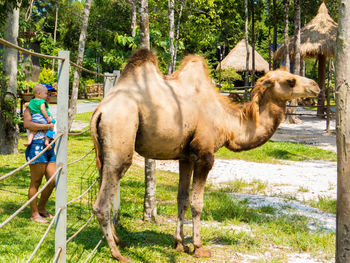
{"x": 34, "y": 106}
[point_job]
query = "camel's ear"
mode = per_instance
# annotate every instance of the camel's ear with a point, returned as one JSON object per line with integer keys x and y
{"x": 267, "y": 83}
{"x": 291, "y": 82}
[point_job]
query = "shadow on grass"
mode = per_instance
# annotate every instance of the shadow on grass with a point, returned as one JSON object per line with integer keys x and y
{"x": 281, "y": 154}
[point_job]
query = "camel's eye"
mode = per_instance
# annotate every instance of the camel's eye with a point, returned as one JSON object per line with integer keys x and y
{"x": 291, "y": 82}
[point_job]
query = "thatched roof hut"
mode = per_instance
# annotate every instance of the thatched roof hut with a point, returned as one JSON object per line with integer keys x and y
{"x": 237, "y": 59}
{"x": 318, "y": 37}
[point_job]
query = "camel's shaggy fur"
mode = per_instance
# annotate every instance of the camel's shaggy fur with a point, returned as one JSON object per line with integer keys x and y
{"x": 181, "y": 117}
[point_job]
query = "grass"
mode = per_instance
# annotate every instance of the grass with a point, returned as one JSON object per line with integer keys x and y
{"x": 325, "y": 204}
{"x": 275, "y": 152}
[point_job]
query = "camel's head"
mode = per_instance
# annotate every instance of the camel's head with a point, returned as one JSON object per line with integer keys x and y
{"x": 286, "y": 86}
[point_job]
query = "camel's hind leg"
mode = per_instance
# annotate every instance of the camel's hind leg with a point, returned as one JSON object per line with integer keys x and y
{"x": 186, "y": 169}
{"x": 117, "y": 147}
{"x": 102, "y": 207}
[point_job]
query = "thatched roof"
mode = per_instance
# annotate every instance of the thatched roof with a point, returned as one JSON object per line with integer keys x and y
{"x": 237, "y": 59}
{"x": 318, "y": 37}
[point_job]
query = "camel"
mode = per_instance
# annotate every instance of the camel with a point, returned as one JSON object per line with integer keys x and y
{"x": 181, "y": 117}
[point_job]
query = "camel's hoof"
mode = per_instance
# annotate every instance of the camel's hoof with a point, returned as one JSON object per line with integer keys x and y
{"x": 202, "y": 253}
{"x": 181, "y": 248}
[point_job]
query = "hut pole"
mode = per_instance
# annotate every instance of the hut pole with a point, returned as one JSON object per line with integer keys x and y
{"x": 321, "y": 83}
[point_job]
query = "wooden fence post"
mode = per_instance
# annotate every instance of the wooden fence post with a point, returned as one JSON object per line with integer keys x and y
{"x": 61, "y": 149}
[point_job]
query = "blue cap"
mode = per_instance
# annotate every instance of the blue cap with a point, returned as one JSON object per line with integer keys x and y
{"x": 49, "y": 87}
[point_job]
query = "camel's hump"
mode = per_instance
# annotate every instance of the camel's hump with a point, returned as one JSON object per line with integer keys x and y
{"x": 141, "y": 56}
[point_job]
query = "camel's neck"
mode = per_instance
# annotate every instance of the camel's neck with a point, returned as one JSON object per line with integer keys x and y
{"x": 250, "y": 133}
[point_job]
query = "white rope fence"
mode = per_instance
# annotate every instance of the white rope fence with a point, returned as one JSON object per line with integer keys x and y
{"x": 45, "y": 234}
{"x": 94, "y": 250}
{"x": 81, "y": 158}
{"x": 31, "y": 160}
{"x": 30, "y": 200}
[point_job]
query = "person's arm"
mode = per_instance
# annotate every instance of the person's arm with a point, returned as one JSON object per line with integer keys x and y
{"x": 44, "y": 112}
{"x": 34, "y": 126}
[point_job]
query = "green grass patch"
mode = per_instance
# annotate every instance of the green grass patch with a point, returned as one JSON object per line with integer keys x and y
{"x": 326, "y": 204}
{"x": 275, "y": 152}
{"x": 86, "y": 116}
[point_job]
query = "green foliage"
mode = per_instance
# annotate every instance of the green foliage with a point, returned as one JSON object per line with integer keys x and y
{"x": 47, "y": 76}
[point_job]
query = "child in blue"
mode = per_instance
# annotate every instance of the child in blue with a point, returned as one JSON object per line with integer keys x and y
{"x": 39, "y": 110}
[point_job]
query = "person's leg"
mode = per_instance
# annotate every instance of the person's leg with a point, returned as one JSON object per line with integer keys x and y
{"x": 37, "y": 171}
{"x": 30, "y": 138}
{"x": 49, "y": 172}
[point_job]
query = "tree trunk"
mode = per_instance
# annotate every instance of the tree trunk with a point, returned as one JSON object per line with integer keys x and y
{"x": 133, "y": 17}
{"x": 171, "y": 14}
{"x": 246, "y": 38}
{"x": 253, "y": 45}
{"x": 8, "y": 127}
{"x": 274, "y": 33}
{"x": 297, "y": 37}
{"x": 144, "y": 25}
{"x": 321, "y": 82}
{"x": 150, "y": 201}
{"x": 286, "y": 28}
{"x": 343, "y": 133}
{"x": 183, "y": 2}
{"x": 77, "y": 73}
{"x": 291, "y": 111}
{"x": 269, "y": 14}
{"x": 55, "y": 32}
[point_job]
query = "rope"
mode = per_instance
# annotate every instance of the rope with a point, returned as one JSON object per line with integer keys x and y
{"x": 92, "y": 72}
{"x": 93, "y": 251}
{"x": 80, "y": 196}
{"x": 9, "y": 44}
{"x": 31, "y": 160}
{"x": 76, "y": 233}
{"x": 45, "y": 234}
{"x": 30, "y": 200}
{"x": 57, "y": 255}
{"x": 80, "y": 133}
{"x": 81, "y": 158}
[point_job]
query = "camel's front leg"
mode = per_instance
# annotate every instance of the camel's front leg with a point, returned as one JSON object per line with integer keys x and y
{"x": 201, "y": 170}
{"x": 186, "y": 169}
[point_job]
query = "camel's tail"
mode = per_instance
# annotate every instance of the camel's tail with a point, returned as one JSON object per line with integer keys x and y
{"x": 96, "y": 138}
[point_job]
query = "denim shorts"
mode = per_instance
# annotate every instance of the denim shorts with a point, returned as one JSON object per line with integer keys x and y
{"x": 35, "y": 148}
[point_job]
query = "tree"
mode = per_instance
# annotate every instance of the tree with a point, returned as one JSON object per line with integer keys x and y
{"x": 291, "y": 111}
{"x": 8, "y": 97}
{"x": 150, "y": 201}
{"x": 171, "y": 15}
{"x": 183, "y": 3}
{"x": 77, "y": 73}
{"x": 286, "y": 28}
{"x": 246, "y": 79}
{"x": 274, "y": 32}
{"x": 343, "y": 133}
{"x": 133, "y": 17}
